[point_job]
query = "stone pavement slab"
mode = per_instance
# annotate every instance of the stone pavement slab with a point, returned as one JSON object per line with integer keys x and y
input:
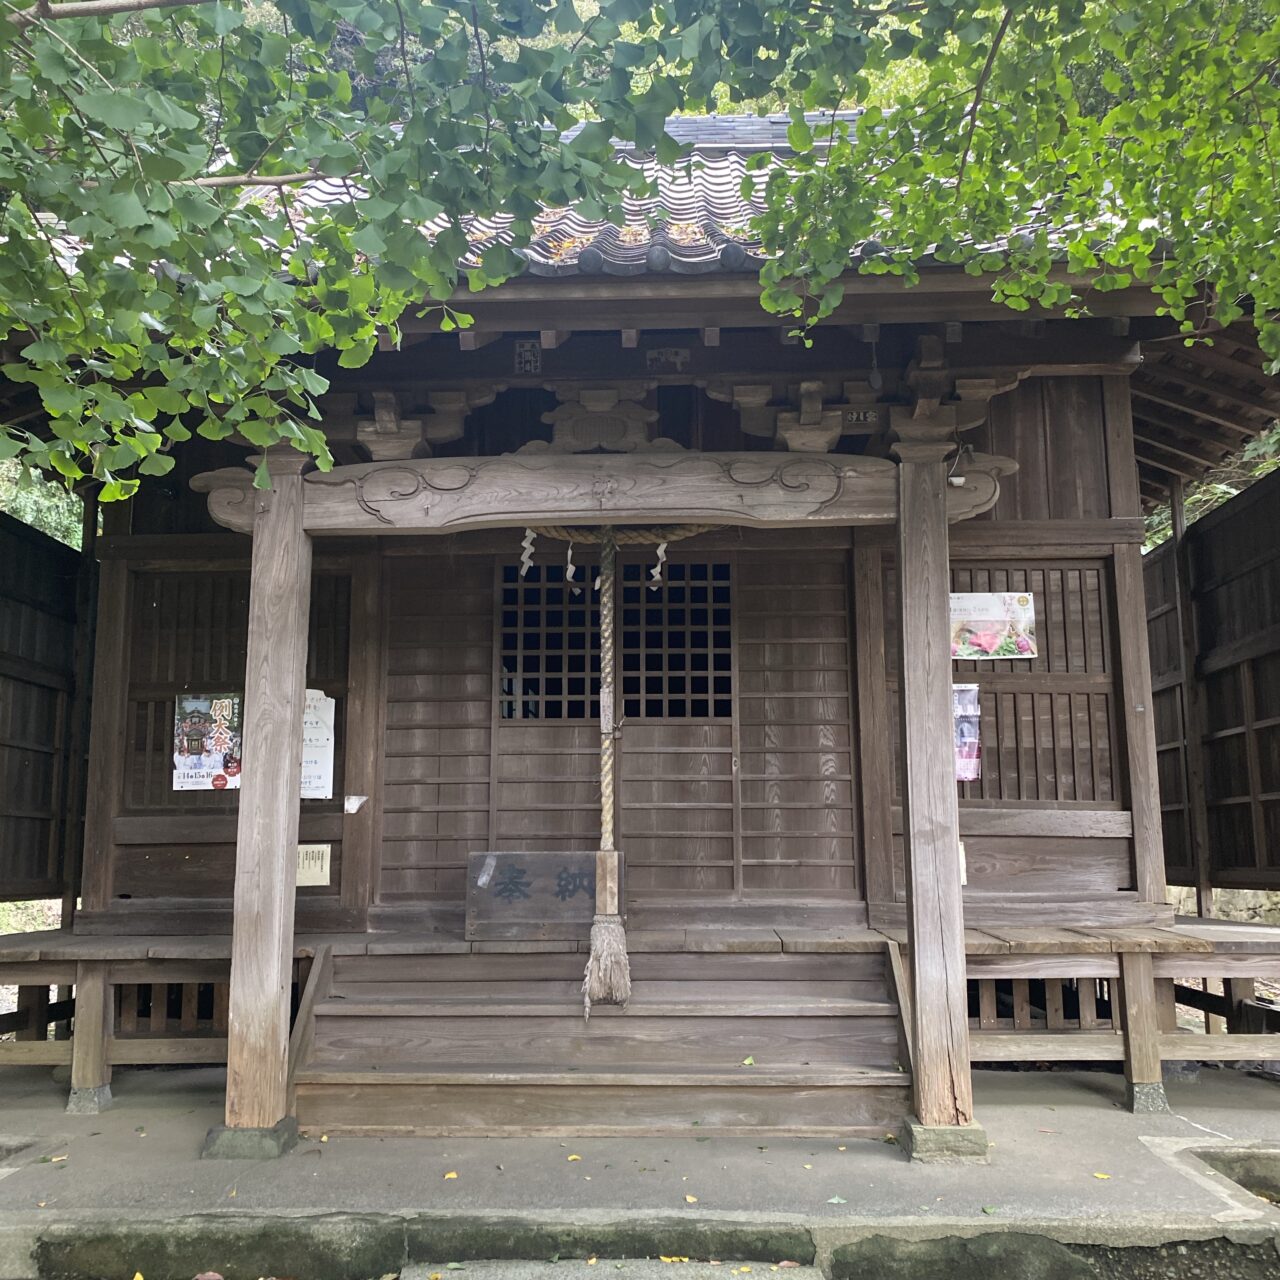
{"x": 1066, "y": 1159}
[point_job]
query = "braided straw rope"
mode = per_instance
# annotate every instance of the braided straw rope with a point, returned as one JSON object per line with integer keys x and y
{"x": 624, "y": 535}
{"x": 608, "y": 567}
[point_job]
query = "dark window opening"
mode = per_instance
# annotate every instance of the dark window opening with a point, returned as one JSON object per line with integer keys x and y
{"x": 674, "y": 643}
{"x": 550, "y": 643}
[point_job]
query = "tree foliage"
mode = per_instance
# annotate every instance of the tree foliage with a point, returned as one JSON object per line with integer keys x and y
{"x": 163, "y": 272}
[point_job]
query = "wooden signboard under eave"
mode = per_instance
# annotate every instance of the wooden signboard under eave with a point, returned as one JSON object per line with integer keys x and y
{"x": 760, "y": 490}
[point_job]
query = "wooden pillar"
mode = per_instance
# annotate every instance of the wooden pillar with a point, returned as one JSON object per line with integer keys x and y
{"x": 1140, "y": 1020}
{"x": 1194, "y": 724}
{"x": 91, "y": 1040}
{"x": 34, "y": 1002}
{"x": 931, "y": 823}
{"x": 1135, "y": 661}
{"x": 267, "y": 830}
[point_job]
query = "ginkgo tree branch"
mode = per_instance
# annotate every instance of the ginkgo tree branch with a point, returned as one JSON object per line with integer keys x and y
{"x": 24, "y": 18}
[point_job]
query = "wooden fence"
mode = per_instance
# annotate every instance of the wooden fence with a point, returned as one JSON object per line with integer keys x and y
{"x": 43, "y": 589}
{"x": 1213, "y": 610}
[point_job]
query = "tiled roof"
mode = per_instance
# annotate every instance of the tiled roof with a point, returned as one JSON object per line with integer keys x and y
{"x": 698, "y": 222}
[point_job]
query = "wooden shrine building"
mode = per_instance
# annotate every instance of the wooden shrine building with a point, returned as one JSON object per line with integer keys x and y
{"x": 834, "y": 901}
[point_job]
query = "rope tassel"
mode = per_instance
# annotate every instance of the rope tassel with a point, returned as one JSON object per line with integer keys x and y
{"x": 608, "y": 975}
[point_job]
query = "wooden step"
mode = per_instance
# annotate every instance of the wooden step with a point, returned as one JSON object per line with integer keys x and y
{"x": 535, "y": 1003}
{"x": 643, "y": 990}
{"x": 660, "y": 1101}
{"x": 639, "y": 1039}
{"x": 645, "y": 966}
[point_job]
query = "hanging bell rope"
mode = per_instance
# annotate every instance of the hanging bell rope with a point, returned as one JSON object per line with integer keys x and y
{"x": 607, "y": 979}
{"x": 608, "y": 975}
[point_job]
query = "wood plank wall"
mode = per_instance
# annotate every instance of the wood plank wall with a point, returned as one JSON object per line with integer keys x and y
{"x": 1049, "y": 830}
{"x": 37, "y": 676}
{"x": 460, "y": 777}
{"x": 1233, "y": 563}
{"x": 166, "y": 859}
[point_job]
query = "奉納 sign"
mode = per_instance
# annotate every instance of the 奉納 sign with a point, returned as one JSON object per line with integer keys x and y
{"x": 530, "y": 895}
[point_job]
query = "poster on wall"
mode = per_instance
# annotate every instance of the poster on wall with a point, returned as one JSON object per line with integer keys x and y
{"x": 968, "y": 732}
{"x": 317, "y": 746}
{"x": 206, "y": 742}
{"x": 990, "y": 625}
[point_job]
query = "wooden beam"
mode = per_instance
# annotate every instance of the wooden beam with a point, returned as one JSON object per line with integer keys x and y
{"x": 1169, "y": 468}
{"x": 1192, "y": 430}
{"x": 550, "y": 339}
{"x": 473, "y": 340}
{"x": 1194, "y": 713}
{"x": 365, "y": 723}
{"x": 1211, "y": 358}
{"x": 630, "y": 339}
{"x": 1233, "y": 394}
{"x": 876, "y": 772}
{"x": 267, "y": 829}
{"x": 768, "y": 489}
{"x": 105, "y": 779}
{"x": 33, "y": 1005}
{"x": 941, "y": 1078}
{"x": 1168, "y": 446}
{"x": 1207, "y": 412}
{"x": 90, "y": 1062}
{"x": 1139, "y": 724}
{"x": 1140, "y": 1023}
{"x": 711, "y": 337}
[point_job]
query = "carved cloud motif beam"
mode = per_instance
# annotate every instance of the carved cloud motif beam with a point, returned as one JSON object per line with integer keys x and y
{"x": 753, "y": 490}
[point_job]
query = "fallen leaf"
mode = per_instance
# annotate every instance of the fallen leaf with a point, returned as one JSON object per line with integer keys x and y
{"x": 988, "y": 1208}
{"x": 571, "y": 1159}
{"x": 56, "y": 1159}
{"x": 454, "y": 1266}
{"x": 1048, "y": 1131}
{"x": 691, "y": 1199}
{"x": 591, "y": 1261}
{"x": 807, "y": 1166}
{"x": 842, "y": 1148}
{"x": 891, "y": 1139}
{"x": 1103, "y": 1176}
{"x": 436, "y": 1275}
{"x": 786, "y": 1262}
{"x": 837, "y": 1200}
{"x": 749, "y": 1061}
{"x": 324, "y": 1137}
{"x": 231, "y": 1193}
{"x": 452, "y": 1174}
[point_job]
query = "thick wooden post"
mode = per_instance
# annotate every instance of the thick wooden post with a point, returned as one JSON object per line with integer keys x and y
{"x": 1141, "y": 1017}
{"x": 91, "y": 1040}
{"x": 267, "y": 832}
{"x": 941, "y": 1074}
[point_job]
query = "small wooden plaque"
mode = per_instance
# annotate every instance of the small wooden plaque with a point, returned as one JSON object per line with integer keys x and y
{"x": 537, "y": 896}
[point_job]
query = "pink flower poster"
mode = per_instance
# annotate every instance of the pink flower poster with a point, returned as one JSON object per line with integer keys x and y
{"x": 991, "y": 625}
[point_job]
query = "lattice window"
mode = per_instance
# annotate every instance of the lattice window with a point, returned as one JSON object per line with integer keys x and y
{"x": 550, "y": 643}
{"x": 676, "y": 653}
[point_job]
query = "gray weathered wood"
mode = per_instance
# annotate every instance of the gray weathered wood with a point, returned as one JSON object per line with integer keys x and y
{"x": 1139, "y": 1019}
{"x": 942, "y": 1083}
{"x": 90, "y": 1063}
{"x": 267, "y": 834}
{"x": 743, "y": 489}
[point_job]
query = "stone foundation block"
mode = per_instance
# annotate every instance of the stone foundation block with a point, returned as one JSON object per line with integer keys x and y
{"x": 223, "y": 1143}
{"x": 944, "y": 1143}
